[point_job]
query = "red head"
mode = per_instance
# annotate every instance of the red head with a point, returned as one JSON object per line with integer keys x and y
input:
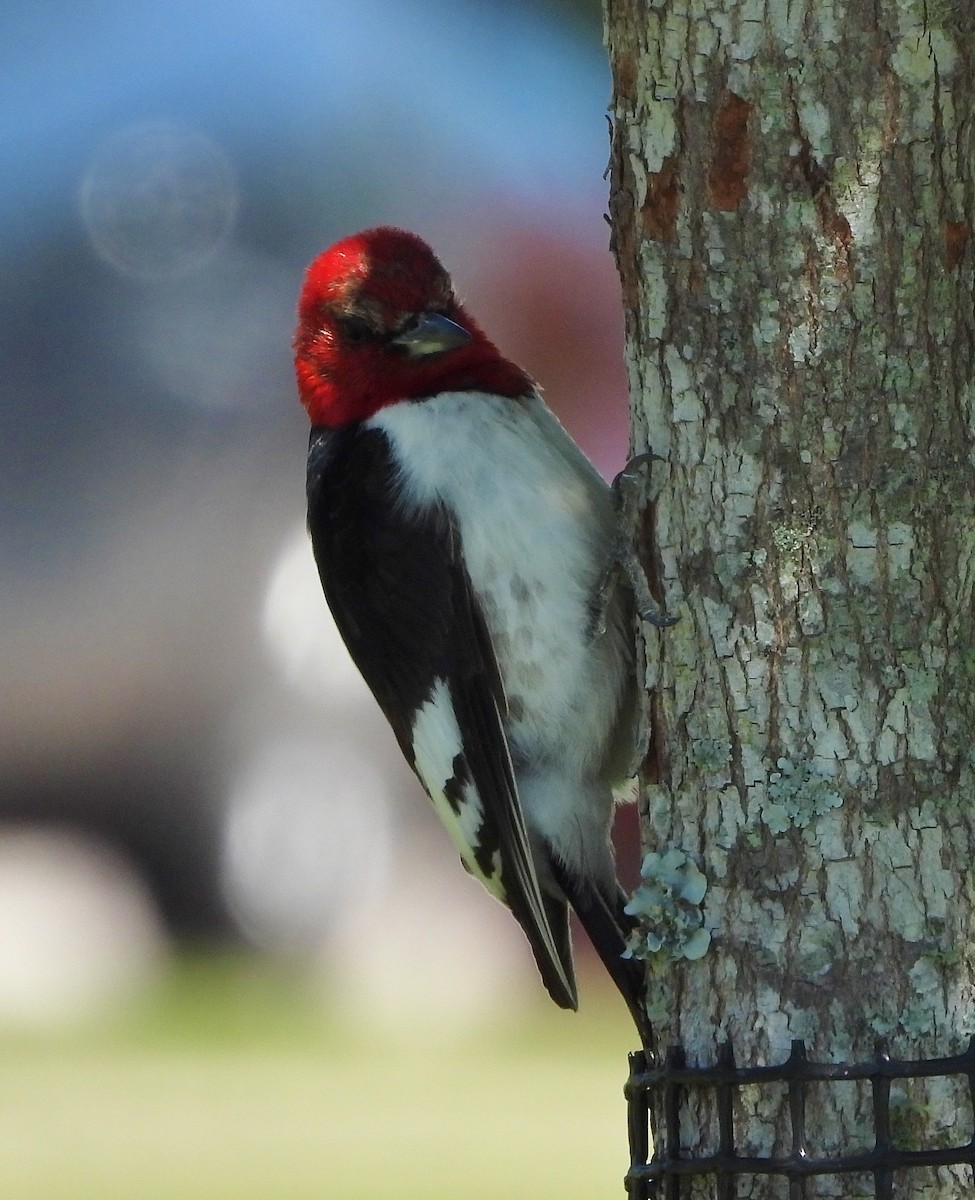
{"x": 378, "y": 322}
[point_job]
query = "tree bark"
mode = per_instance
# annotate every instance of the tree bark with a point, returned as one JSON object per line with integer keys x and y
{"x": 793, "y": 196}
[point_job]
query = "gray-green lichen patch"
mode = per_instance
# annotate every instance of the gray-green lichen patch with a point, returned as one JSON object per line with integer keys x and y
{"x": 792, "y": 538}
{"x": 820, "y": 949}
{"x": 796, "y": 794}
{"x": 710, "y": 755}
{"x": 908, "y": 729}
{"x": 922, "y": 52}
{"x": 809, "y": 613}
{"x": 922, "y": 1012}
{"x": 667, "y": 905}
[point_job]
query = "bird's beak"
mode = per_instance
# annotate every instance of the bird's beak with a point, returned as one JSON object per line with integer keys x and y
{"x": 431, "y": 333}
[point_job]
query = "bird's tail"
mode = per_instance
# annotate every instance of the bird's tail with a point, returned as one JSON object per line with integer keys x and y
{"x": 608, "y": 927}
{"x": 555, "y": 969}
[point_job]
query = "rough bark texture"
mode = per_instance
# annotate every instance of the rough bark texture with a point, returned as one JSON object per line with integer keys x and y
{"x": 793, "y": 192}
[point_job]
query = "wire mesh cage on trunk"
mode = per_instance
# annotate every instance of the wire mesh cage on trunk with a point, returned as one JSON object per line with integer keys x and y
{"x": 666, "y": 1086}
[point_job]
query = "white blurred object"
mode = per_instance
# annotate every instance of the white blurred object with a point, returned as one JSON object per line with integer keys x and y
{"x": 78, "y": 930}
{"x": 307, "y": 836}
{"x": 302, "y": 636}
{"x": 308, "y": 826}
{"x": 431, "y": 952}
{"x": 406, "y": 939}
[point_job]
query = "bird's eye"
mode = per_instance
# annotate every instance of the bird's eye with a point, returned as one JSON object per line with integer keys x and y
{"x": 356, "y": 329}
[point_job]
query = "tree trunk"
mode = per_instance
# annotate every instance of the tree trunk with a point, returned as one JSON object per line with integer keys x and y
{"x": 793, "y": 194}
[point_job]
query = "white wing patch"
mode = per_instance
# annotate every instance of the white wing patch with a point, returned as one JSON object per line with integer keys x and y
{"x": 438, "y": 756}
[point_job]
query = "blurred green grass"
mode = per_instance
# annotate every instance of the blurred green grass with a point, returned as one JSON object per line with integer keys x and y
{"x": 230, "y": 1080}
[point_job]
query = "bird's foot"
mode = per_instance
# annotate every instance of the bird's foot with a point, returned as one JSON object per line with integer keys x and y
{"x": 624, "y": 564}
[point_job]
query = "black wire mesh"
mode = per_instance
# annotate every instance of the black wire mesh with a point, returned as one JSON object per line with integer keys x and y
{"x": 659, "y": 1177}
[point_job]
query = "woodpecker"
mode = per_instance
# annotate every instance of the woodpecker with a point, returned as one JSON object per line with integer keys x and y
{"x": 463, "y": 542}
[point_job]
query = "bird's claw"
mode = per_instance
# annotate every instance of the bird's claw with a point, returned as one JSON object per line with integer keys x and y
{"x": 630, "y": 472}
{"x": 658, "y": 619}
{"x": 646, "y": 606}
{"x": 623, "y": 562}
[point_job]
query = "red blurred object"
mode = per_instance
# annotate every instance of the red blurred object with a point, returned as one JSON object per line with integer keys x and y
{"x": 551, "y": 302}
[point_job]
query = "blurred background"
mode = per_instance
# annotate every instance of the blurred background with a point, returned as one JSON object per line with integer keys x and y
{"x": 227, "y": 914}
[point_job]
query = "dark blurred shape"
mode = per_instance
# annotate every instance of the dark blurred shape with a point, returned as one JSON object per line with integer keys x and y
{"x": 156, "y": 808}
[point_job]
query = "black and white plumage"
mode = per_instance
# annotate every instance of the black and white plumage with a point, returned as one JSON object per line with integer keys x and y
{"x": 461, "y": 537}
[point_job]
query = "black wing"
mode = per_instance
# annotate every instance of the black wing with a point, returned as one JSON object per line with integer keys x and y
{"x": 395, "y": 582}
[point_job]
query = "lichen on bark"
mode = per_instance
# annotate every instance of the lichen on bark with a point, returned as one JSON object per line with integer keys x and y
{"x": 793, "y": 191}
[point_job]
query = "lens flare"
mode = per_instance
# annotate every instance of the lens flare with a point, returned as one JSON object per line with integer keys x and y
{"x": 158, "y": 200}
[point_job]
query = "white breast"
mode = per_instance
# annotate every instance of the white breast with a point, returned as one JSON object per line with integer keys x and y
{"x": 536, "y": 523}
